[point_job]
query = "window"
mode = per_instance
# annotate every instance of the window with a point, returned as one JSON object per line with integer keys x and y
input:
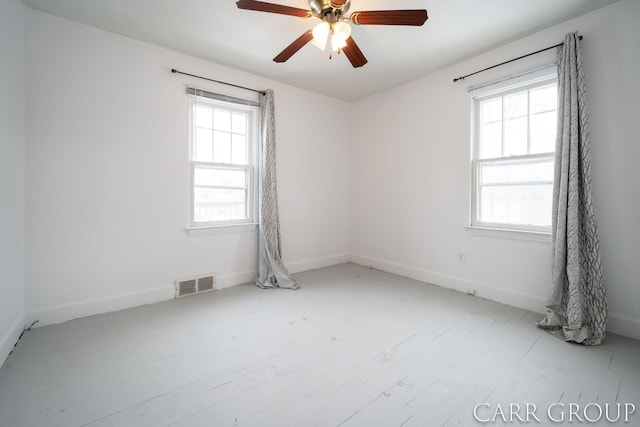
{"x": 222, "y": 158}
{"x": 513, "y": 157}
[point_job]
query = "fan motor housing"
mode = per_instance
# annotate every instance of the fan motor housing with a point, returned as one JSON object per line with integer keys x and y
{"x": 329, "y": 8}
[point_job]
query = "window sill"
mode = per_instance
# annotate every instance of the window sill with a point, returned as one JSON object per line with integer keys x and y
{"x": 220, "y": 229}
{"x": 506, "y": 233}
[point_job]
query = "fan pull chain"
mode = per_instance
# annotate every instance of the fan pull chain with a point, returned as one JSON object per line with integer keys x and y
{"x": 337, "y": 52}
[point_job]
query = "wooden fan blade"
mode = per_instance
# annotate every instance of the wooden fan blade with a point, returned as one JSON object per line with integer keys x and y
{"x": 354, "y": 54}
{"x": 294, "y": 47}
{"x": 262, "y": 6}
{"x": 415, "y": 17}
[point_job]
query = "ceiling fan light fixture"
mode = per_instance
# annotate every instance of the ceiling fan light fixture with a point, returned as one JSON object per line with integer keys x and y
{"x": 340, "y": 32}
{"x": 321, "y": 35}
{"x": 332, "y": 28}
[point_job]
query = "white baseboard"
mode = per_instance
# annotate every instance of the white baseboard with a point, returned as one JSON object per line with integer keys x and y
{"x": 229, "y": 280}
{"x": 623, "y": 325}
{"x": 75, "y": 310}
{"x": 224, "y": 281}
{"x": 314, "y": 264}
{"x": 617, "y": 324}
{"x": 482, "y": 290}
{"x": 10, "y": 338}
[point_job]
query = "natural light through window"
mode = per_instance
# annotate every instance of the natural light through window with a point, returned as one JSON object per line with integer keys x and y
{"x": 221, "y": 162}
{"x": 513, "y": 157}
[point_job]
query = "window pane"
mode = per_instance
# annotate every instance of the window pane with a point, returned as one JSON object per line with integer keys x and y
{"x": 214, "y": 204}
{"x": 516, "y": 172}
{"x": 491, "y": 140}
{"x": 203, "y": 150}
{"x": 239, "y": 149}
{"x": 515, "y": 137}
{"x": 543, "y": 132}
{"x": 239, "y": 123}
{"x": 516, "y": 204}
{"x": 515, "y": 105}
{"x": 491, "y": 110}
{"x": 544, "y": 98}
{"x": 203, "y": 116}
{"x": 221, "y": 147}
{"x": 204, "y": 176}
{"x": 222, "y": 120}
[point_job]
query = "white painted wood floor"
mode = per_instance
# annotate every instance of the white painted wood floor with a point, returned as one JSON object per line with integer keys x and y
{"x": 353, "y": 347}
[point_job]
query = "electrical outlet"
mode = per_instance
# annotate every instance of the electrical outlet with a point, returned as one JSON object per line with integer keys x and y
{"x": 462, "y": 257}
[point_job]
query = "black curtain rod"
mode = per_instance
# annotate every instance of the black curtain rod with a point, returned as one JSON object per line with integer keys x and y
{"x": 173, "y": 70}
{"x": 511, "y": 60}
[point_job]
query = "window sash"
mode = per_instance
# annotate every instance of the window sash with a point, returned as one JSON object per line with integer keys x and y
{"x": 479, "y": 185}
{"x": 247, "y": 189}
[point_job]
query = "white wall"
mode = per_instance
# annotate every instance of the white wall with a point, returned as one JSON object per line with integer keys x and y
{"x": 12, "y": 143}
{"x": 410, "y": 174}
{"x": 107, "y": 174}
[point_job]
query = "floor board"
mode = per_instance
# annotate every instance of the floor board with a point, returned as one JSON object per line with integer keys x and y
{"x": 353, "y": 347}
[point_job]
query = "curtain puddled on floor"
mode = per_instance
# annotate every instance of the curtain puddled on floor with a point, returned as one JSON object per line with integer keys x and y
{"x": 271, "y": 271}
{"x": 577, "y": 309}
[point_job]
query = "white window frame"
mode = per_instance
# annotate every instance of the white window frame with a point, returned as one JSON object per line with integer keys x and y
{"x": 476, "y": 163}
{"x": 232, "y": 105}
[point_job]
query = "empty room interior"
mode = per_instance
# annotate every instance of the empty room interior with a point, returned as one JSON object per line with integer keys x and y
{"x": 319, "y": 213}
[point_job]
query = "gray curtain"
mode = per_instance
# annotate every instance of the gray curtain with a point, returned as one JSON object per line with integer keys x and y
{"x": 271, "y": 271}
{"x": 577, "y": 309}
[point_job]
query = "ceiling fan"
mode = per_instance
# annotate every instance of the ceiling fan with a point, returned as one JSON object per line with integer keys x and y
{"x": 334, "y": 30}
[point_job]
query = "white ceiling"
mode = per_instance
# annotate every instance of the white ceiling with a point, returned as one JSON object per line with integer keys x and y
{"x": 218, "y": 31}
